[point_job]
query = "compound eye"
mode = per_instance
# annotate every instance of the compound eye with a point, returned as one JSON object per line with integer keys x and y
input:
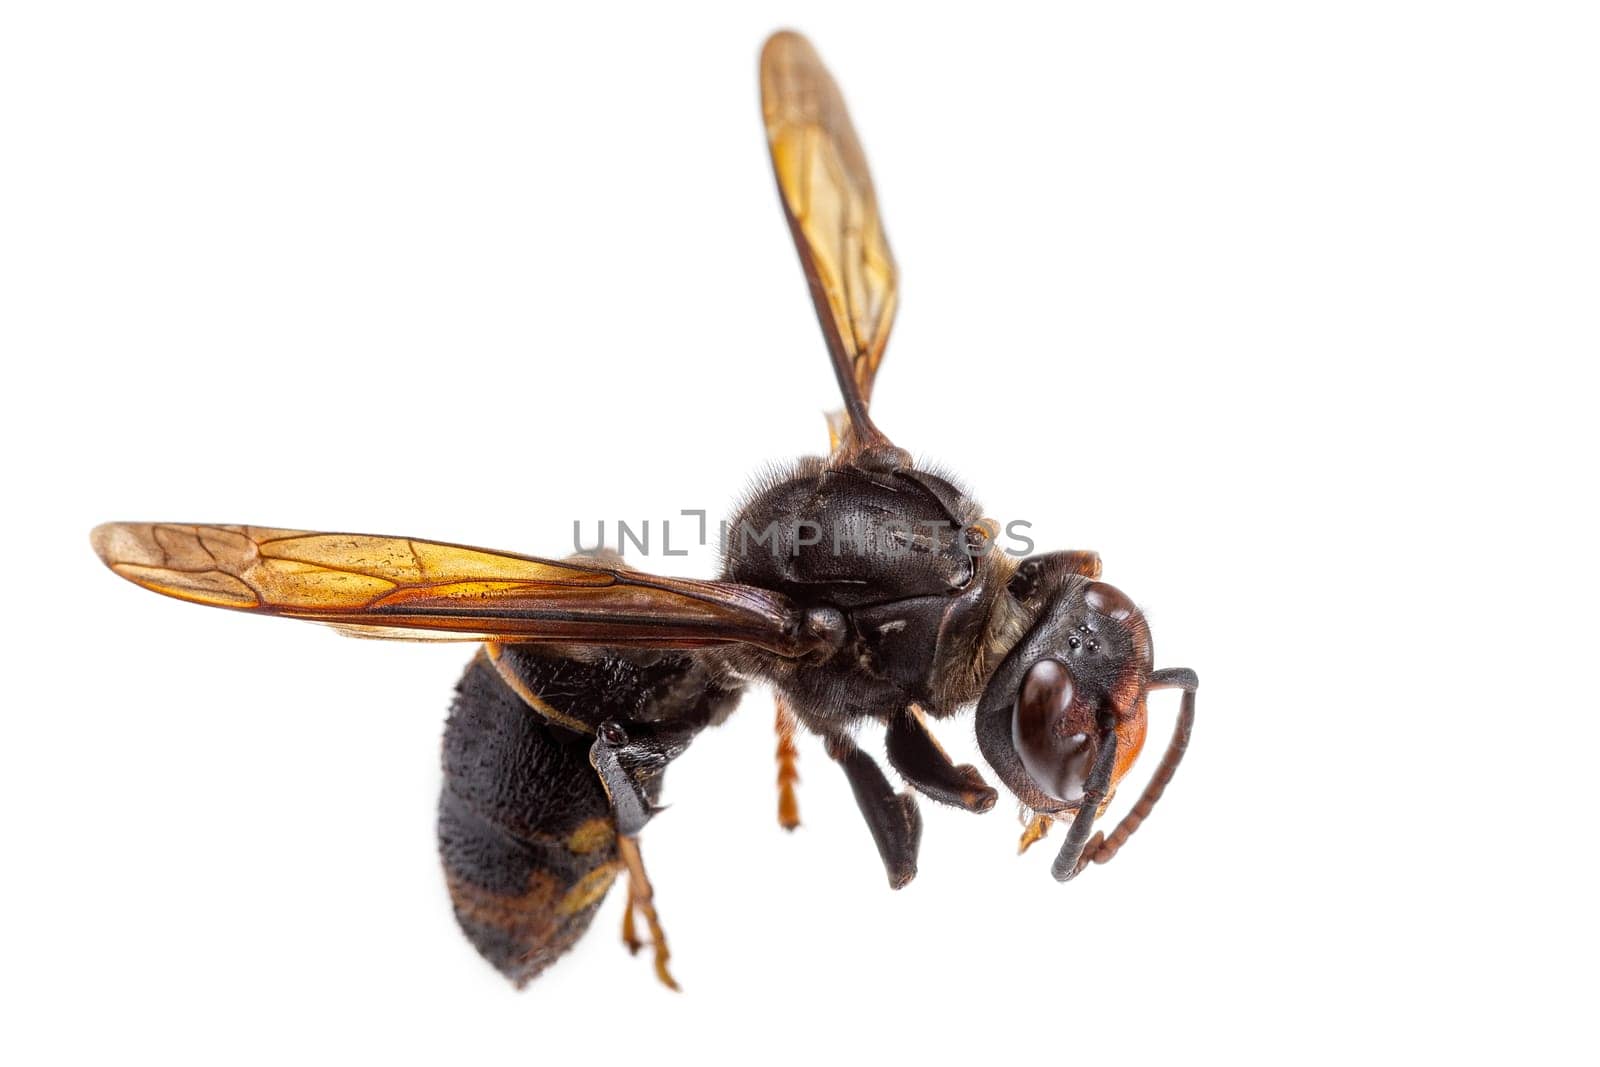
{"x": 1055, "y": 755}
{"x": 1109, "y": 601}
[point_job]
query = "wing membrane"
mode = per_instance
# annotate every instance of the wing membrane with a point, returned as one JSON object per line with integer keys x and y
{"x": 832, "y": 210}
{"x": 397, "y": 587}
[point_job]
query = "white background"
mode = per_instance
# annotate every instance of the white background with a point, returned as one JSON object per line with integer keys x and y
{"x": 1288, "y": 310}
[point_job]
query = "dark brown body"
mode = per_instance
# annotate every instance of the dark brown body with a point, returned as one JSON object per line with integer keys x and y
{"x": 526, "y": 831}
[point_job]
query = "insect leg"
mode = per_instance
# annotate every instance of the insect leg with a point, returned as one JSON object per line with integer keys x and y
{"x": 892, "y": 817}
{"x": 788, "y": 804}
{"x": 616, "y": 758}
{"x": 921, "y": 761}
{"x": 641, "y": 896}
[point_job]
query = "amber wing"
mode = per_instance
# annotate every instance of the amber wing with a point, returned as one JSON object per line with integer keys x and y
{"x": 832, "y": 210}
{"x": 398, "y": 587}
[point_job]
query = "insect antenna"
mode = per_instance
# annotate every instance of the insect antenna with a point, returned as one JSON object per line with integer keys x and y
{"x": 1101, "y": 849}
{"x": 1067, "y": 863}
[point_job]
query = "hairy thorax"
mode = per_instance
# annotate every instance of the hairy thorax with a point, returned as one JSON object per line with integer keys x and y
{"x": 904, "y": 557}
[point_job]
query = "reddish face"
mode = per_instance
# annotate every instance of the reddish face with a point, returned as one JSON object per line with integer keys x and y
{"x": 1076, "y": 679}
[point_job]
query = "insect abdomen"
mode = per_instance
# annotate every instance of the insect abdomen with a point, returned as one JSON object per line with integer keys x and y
{"x": 525, "y": 829}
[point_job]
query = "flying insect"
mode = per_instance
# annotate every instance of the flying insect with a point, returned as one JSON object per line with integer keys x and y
{"x": 858, "y": 586}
